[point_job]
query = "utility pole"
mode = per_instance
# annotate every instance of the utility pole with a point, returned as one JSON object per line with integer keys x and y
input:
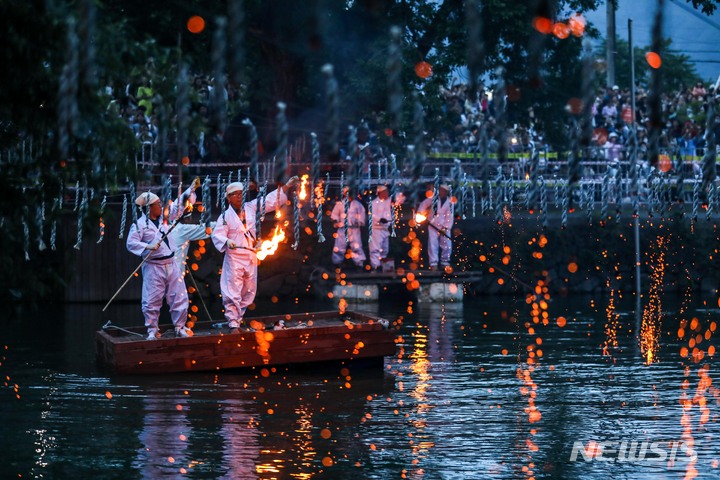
{"x": 610, "y": 43}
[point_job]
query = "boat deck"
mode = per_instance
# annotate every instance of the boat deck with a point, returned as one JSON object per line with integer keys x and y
{"x": 306, "y": 338}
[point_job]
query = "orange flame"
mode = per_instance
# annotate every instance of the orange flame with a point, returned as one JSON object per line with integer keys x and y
{"x": 419, "y": 217}
{"x": 269, "y": 247}
{"x": 302, "y": 194}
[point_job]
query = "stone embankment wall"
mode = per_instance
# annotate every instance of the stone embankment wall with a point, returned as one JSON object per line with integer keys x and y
{"x": 516, "y": 256}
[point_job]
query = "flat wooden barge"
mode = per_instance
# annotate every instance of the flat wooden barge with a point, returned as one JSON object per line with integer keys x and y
{"x": 305, "y": 338}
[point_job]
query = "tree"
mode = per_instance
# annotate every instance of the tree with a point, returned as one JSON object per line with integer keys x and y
{"x": 59, "y": 128}
{"x": 678, "y": 70}
{"x": 706, "y": 6}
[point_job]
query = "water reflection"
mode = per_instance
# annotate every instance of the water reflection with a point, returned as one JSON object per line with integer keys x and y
{"x": 163, "y": 438}
{"x": 508, "y": 388}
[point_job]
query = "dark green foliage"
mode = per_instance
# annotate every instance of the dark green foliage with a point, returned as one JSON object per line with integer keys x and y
{"x": 286, "y": 44}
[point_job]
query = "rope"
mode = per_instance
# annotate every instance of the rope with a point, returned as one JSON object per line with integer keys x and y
{"x": 109, "y": 326}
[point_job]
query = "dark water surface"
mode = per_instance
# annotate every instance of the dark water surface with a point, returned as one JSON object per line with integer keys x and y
{"x": 476, "y": 390}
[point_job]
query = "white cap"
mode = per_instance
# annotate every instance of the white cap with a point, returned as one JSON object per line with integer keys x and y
{"x": 381, "y": 188}
{"x": 613, "y": 134}
{"x": 147, "y": 198}
{"x": 445, "y": 187}
{"x": 234, "y": 187}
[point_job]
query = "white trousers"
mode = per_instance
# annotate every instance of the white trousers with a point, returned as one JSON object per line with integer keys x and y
{"x": 163, "y": 280}
{"x": 238, "y": 284}
{"x": 437, "y": 240}
{"x": 379, "y": 245}
{"x": 358, "y": 254}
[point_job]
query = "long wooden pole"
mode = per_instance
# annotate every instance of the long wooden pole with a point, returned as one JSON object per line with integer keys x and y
{"x": 175, "y": 223}
{"x": 189, "y": 273}
{"x": 507, "y": 274}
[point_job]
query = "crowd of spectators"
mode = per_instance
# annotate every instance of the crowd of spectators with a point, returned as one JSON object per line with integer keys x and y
{"x": 135, "y": 101}
{"x": 684, "y": 133}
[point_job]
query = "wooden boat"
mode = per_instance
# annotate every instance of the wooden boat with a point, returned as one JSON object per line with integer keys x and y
{"x": 306, "y": 338}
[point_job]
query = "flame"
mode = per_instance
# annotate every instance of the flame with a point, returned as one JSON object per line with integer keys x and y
{"x": 188, "y": 206}
{"x": 302, "y": 194}
{"x": 269, "y": 247}
{"x": 319, "y": 195}
{"x": 419, "y": 217}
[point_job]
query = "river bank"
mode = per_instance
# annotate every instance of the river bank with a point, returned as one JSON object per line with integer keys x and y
{"x": 576, "y": 254}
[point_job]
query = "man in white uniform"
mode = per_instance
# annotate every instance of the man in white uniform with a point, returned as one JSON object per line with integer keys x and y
{"x": 382, "y": 217}
{"x": 234, "y": 235}
{"x": 161, "y": 275}
{"x": 356, "y": 219}
{"x": 439, "y": 228}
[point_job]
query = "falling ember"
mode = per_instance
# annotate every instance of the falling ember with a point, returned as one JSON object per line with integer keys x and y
{"x": 507, "y": 215}
{"x": 575, "y": 105}
{"x": 108, "y": 394}
{"x": 342, "y": 306}
{"x": 561, "y": 30}
{"x": 543, "y": 25}
{"x": 577, "y": 23}
{"x": 423, "y": 69}
{"x": 653, "y": 59}
{"x": 652, "y": 314}
{"x": 611, "y": 325}
{"x": 302, "y": 193}
{"x": 196, "y": 24}
{"x": 269, "y": 247}
{"x": 664, "y": 163}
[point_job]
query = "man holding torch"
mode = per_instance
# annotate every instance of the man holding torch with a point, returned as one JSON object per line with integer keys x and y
{"x": 440, "y": 219}
{"x": 234, "y": 235}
